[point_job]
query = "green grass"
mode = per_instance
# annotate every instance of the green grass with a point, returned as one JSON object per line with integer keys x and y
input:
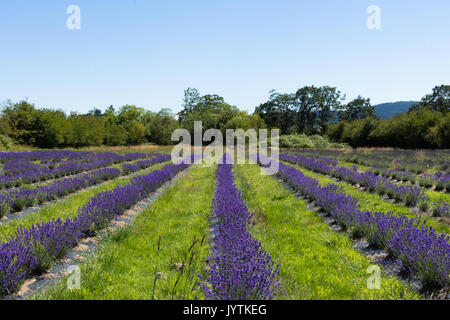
{"x": 350, "y": 164}
{"x": 65, "y": 208}
{"x": 372, "y": 201}
{"x": 127, "y": 261}
{"x": 436, "y": 196}
{"x": 315, "y": 262}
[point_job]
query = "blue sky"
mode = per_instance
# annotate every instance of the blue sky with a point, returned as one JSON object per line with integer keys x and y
{"x": 147, "y": 52}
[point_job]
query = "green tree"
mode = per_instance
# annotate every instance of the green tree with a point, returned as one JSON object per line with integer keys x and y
{"x": 136, "y": 133}
{"x": 159, "y": 126}
{"x": 211, "y": 110}
{"x": 358, "y": 108}
{"x": 49, "y": 128}
{"x": 190, "y": 100}
{"x": 315, "y": 108}
{"x": 19, "y": 120}
{"x": 439, "y": 135}
{"x": 437, "y": 101}
{"x": 115, "y": 135}
{"x": 128, "y": 115}
{"x": 309, "y": 110}
{"x": 84, "y": 130}
{"x": 278, "y": 111}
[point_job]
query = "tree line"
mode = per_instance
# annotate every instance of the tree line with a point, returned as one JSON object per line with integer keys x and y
{"x": 320, "y": 111}
{"x": 310, "y": 110}
{"x": 425, "y": 125}
{"x": 128, "y": 125}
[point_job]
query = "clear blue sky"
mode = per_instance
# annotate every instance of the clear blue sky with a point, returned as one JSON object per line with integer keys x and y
{"x": 147, "y": 52}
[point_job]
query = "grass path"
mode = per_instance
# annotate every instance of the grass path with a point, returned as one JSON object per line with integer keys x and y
{"x": 127, "y": 261}
{"x": 371, "y": 201}
{"x": 67, "y": 207}
{"x": 315, "y": 262}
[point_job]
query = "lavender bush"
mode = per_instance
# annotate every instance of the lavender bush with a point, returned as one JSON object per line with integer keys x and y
{"x": 410, "y": 194}
{"x": 241, "y": 269}
{"x": 19, "y": 167}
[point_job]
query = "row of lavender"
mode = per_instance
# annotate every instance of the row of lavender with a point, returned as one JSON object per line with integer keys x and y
{"x": 128, "y": 168}
{"x": 21, "y": 170}
{"x": 241, "y": 269}
{"x": 45, "y": 155}
{"x": 421, "y": 251}
{"x": 416, "y": 161}
{"x": 411, "y": 195}
{"x": 18, "y": 162}
{"x": 33, "y": 250}
{"x": 440, "y": 180}
{"x": 16, "y": 199}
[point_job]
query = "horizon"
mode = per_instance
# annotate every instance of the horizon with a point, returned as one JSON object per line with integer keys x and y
{"x": 146, "y": 53}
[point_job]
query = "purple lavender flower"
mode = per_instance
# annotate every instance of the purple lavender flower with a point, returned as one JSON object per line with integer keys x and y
{"x": 241, "y": 269}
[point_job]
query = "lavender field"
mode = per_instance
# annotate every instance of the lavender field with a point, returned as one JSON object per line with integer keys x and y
{"x": 134, "y": 225}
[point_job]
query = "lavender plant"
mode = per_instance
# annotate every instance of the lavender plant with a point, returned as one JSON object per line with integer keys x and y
{"x": 241, "y": 269}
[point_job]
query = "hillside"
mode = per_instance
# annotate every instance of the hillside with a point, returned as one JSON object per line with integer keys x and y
{"x": 390, "y": 109}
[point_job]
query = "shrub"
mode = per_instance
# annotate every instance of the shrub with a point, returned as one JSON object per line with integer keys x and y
{"x": 304, "y": 141}
{"x": 424, "y": 205}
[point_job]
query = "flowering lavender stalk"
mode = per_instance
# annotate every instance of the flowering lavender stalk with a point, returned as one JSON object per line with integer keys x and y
{"x": 241, "y": 269}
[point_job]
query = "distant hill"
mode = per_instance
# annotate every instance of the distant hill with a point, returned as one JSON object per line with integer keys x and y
{"x": 390, "y": 109}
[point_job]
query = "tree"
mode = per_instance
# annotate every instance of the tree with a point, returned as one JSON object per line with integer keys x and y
{"x": 136, "y": 133}
{"x": 315, "y": 108}
{"x": 190, "y": 100}
{"x": 19, "y": 121}
{"x": 84, "y": 130}
{"x": 159, "y": 126}
{"x": 115, "y": 135}
{"x": 278, "y": 112}
{"x": 49, "y": 128}
{"x": 210, "y": 109}
{"x": 95, "y": 112}
{"x": 358, "y": 108}
{"x": 329, "y": 103}
{"x": 439, "y": 135}
{"x": 309, "y": 110}
{"x": 438, "y": 101}
{"x": 128, "y": 115}
{"x": 245, "y": 121}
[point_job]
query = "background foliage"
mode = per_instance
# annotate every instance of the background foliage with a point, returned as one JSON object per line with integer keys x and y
{"x": 310, "y": 117}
